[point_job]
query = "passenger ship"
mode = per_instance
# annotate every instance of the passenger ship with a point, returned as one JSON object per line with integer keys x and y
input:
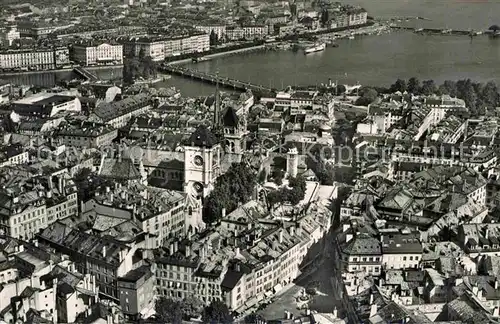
{"x": 316, "y": 48}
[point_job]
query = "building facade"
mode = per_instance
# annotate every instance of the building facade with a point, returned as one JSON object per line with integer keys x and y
{"x": 97, "y": 54}
{"x": 34, "y": 59}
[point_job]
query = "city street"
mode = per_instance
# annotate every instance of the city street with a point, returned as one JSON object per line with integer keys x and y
{"x": 323, "y": 302}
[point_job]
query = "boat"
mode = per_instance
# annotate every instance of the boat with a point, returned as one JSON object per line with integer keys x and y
{"x": 419, "y": 30}
{"x": 351, "y": 37}
{"x": 200, "y": 59}
{"x": 318, "y": 47}
{"x": 446, "y": 31}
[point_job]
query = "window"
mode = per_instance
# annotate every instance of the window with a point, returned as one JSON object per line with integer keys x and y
{"x": 404, "y": 258}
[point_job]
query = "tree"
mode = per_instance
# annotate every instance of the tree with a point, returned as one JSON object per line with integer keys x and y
{"x": 278, "y": 176}
{"x": 253, "y": 318}
{"x": 217, "y": 312}
{"x": 414, "y": 86}
{"x": 168, "y": 310}
{"x": 368, "y": 95}
{"x": 324, "y": 17}
{"x": 230, "y": 189}
{"x": 490, "y": 95}
{"x": 399, "y": 85}
{"x": 214, "y": 38}
{"x": 450, "y": 88}
{"x": 428, "y": 88}
{"x": 191, "y": 307}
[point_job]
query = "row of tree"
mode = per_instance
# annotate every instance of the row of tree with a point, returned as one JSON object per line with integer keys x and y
{"x": 478, "y": 97}
{"x": 232, "y": 188}
{"x": 175, "y": 311}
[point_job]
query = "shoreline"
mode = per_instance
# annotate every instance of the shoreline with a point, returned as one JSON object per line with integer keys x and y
{"x": 214, "y": 55}
{"x": 90, "y": 68}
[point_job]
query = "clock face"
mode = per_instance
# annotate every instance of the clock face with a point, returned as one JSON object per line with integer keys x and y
{"x": 198, "y": 187}
{"x": 198, "y": 160}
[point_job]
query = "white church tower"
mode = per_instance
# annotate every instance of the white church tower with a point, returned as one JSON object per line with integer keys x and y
{"x": 202, "y": 156}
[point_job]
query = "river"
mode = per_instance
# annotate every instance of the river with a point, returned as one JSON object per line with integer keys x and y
{"x": 375, "y": 60}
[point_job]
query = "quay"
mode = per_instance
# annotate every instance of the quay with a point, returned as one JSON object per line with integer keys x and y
{"x": 214, "y": 79}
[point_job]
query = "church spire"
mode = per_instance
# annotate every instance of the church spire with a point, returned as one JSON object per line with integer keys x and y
{"x": 217, "y": 102}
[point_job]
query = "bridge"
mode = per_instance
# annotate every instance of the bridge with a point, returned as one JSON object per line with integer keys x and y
{"x": 86, "y": 74}
{"x": 214, "y": 78}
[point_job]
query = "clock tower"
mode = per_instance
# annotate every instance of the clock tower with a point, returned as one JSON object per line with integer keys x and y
{"x": 202, "y": 155}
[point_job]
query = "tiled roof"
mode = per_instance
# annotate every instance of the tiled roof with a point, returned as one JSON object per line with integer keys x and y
{"x": 121, "y": 168}
{"x": 363, "y": 245}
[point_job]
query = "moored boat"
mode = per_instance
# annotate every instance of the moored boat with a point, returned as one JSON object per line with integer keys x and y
{"x": 318, "y": 47}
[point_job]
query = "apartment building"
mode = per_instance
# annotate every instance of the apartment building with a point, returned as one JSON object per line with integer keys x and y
{"x": 219, "y": 30}
{"x": 85, "y": 134}
{"x": 43, "y": 200}
{"x": 362, "y": 253}
{"x": 8, "y": 36}
{"x": 401, "y": 249}
{"x": 137, "y": 291}
{"x": 105, "y": 257}
{"x": 44, "y": 282}
{"x": 160, "y": 212}
{"x": 159, "y": 48}
{"x": 13, "y": 154}
{"x": 357, "y": 16}
{"x": 149, "y": 46}
{"x": 93, "y": 53}
{"x": 118, "y": 113}
{"x": 34, "y": 59}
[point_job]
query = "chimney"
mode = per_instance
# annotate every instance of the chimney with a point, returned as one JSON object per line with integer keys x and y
{"x": 280, "y": 236}
{"x": 51, "y": 184}
{"x": 237, "y": 251}
{"x": 496, "y": 283}
{"x": 373, "y": 310}
{"x": 223, "y": 213}
{"x": 188, "y": 251}
{"x": 487, "y": 233}
{"x": 335, "y": 312}
{"x": 104, "y": 251}
{"x": 108, "y": 189}
{"x": 292, "y": 230}
{"x": 171, "y": 249}
{"x": 371, "y": 299}
{"x": 176, "y": 246}
{"x": 237, "y": 267}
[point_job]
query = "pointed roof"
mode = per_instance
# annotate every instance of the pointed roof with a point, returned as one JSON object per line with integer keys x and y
{"x": 230, "y": 118}
{"x": 119, "y": 169}
{"x": 202, "y": 137}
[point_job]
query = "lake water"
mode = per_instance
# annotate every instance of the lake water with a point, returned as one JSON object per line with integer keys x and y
{"x": 373, "y": 60}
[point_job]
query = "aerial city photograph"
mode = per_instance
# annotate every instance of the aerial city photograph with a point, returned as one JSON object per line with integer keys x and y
{"x": 249, "y": 161}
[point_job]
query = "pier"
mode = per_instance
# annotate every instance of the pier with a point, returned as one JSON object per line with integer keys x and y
{"x": 213, "y": 79}
{"x": 86, "y": 74}
{"x": 444, "y": 31}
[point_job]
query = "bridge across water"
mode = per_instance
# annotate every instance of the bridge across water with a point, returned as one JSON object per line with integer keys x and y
{"x": 214, "y": 78}
{"x": 86, "y": 74}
